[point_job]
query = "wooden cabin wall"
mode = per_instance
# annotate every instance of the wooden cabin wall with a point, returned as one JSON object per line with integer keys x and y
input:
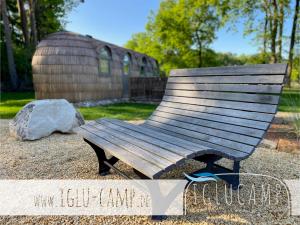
{"x": 65, "y": 65}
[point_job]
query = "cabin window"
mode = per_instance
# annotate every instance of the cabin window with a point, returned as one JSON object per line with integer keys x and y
{"x": 105, "y": 61}
{"x": 155, "y": 68}
{"x": 126, "y": 64}
{"x": 143, "y": 67}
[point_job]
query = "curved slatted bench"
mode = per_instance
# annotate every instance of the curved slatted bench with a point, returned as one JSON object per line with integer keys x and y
{"x": 205, "y": 114}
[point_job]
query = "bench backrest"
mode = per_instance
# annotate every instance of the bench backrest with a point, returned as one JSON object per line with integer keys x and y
{"x": 226, "y": 108}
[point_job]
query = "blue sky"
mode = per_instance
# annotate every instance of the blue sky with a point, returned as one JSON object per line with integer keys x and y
{"x": 115, "y": 21}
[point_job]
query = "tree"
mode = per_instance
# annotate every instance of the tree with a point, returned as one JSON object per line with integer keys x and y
{"x": 204, "y": 22}
{"x": 29, "y": 22}
{"x": 273, "y": 29}
{"x": 23, "y": 17}
{"x": 50, "y": 15}
{"x": 292, "y": 42}
{"x": 9, "y": 48}
{"x": 280, "y": 34}
{"x": 32, "y": 4}
{"x": 265, "y": 29}
{"x": 180, "y": 33}
{"x": 265, "y": 19}
{"x": 183, "y": 29}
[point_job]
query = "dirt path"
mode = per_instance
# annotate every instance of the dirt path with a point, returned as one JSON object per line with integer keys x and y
{"x": 62, "y": 156}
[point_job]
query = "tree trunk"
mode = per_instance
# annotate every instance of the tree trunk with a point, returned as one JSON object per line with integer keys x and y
{"x": 9, "y": 49}
{"x": 292, "y": 43}
{"x": 32, "y": 5}
{"x": 200, "y": 55}
{"x": 23, "y": 22}
{"x": 274, "y": 31}
{"x": 265, "y": 37}
{"x": 24, "y": 26}
{"x": 199, "y": 49}
{"x": 281, "y": 21}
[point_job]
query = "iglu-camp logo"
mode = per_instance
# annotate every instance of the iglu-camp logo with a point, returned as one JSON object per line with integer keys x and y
{"x": 257, "y": 193}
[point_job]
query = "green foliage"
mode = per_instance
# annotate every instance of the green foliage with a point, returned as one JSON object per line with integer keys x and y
{"x": 290, "y": 100}
{"x": 178, "y": 35}
{"x": 258, "y": 58}
{"x": 22, "y": 60}
{"x": 50, "y": 17}
{"x": 14, "y": 20}
{"x": 295, "y": 76}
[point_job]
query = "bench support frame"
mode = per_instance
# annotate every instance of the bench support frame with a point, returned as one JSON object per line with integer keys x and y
{"x": 105, "y": 164}
{"x": 232, "y": 175}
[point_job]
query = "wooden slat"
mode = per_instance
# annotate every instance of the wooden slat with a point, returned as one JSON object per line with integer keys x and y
{"x": 111, "y": 129}
{"x": 254, "y": 107}
{"x": 267, "y": 99}
{"x": 247, "y": 88}
{"x": 233, "y": 70}
{"x": 215, "y": 149}
{"x": 211, "y": 124}
{"x": 214, "y": 117}
{"x": 171, "y": 147}
{"x": 206, "y": 130}
{"x": 204, "y": 137}
{"x": 221, "y": 111}
{"x": 263, "y": 79}
{"x": 129, "y": 147}
{"x": 183, "y": 144}
{"x": 132, "y": 160}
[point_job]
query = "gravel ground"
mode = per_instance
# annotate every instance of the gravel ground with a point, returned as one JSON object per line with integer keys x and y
{"x": 62, "y": 156}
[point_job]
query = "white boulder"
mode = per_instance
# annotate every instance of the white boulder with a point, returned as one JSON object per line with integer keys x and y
{"x": 41, "y": 118}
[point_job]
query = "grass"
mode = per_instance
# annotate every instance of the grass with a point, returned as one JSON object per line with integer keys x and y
{"x": 122, "y": 111}
{"x": 11, "y": 103}
{"x": 290, "y": 100}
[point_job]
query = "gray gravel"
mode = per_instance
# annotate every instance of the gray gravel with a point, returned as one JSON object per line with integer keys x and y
{"x": 62, "y": 156}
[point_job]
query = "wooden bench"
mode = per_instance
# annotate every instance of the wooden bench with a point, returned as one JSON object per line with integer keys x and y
{"x": 206, "y": 114}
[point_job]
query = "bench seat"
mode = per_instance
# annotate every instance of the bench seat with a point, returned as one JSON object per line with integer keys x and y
{"x": 210, "y": 112}
{"x": 145, "y": 149}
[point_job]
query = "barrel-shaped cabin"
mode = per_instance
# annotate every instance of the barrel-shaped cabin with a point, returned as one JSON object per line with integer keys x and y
{"x": 80, "y": 68}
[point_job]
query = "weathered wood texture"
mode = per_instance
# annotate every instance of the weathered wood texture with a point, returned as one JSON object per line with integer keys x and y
{"x": 224, "y": 108}
{"x": 66, "y": 65}
{"x": 147, "y": 88}
{"x": 222, "y": 111}
{"x": 258, "y": 69}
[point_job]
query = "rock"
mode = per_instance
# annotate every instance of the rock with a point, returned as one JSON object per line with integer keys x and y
{"x": 41, "y": 118}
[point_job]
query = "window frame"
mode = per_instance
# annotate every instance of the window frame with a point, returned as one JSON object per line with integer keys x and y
{"x": 107, "y": 59}
{"x": 127, "y": 55}
{"x": 143, "y": 67}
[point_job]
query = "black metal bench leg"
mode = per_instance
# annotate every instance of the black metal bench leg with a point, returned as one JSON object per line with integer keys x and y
{"x": 236, "y": 178}
{"x": 232, "y": 179}
{"x": 210, "y": 164}
{"x": 232, "y": 175}
{"x": 102, "y": 160}
{"x": 141, "y": 175}
{"x": 159, "y": 217}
